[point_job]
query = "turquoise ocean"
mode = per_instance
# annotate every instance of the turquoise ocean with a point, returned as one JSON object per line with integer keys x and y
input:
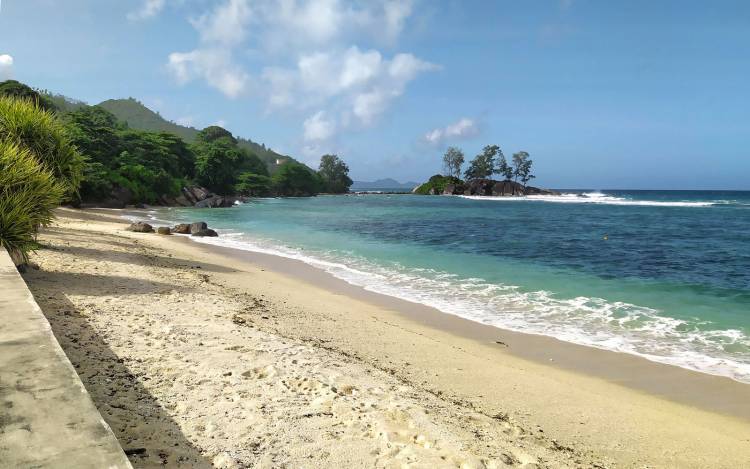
{"x": 660, "y": 274}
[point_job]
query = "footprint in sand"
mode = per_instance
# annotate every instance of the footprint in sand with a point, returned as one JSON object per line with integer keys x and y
{"x": 305, "y": 385}
{"x": 260, "y": 372}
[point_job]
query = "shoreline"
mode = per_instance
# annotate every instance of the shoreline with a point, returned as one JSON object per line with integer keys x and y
{"x": 707, "y": 391}
{"x": 587, "y": 408}
{"x": 666, "y": 379}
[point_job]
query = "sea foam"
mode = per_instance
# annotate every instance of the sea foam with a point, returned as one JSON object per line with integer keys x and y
{"x": 596, "y": 198}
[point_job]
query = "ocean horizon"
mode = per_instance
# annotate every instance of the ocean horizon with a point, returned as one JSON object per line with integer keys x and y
{"x": 659, "y": 274}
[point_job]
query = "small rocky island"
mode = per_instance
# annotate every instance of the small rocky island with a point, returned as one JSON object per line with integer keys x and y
{"x": 448, "y": 185}
{"x": 478, "y": 175}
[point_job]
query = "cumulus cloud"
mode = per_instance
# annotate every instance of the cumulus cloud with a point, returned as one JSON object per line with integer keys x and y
{"x": 226, "y": 24}
{"x": 148, "y": 9}
{"x": 462, "y": 129}
{"x": 214, "y": 65}
{"x": 6, "y": 66}
{"x": 319, "y": 127}
{"x": 312, "y": 63}
{"x": 356, "y": 82}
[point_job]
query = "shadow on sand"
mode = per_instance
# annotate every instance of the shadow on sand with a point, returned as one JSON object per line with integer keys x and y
{"x": 146, "y": 431}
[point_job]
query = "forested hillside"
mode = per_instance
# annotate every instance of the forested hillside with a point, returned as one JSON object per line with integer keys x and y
{"x": 139, "y": 117}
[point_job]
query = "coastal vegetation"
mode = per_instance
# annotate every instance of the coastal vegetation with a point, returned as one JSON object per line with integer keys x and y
{"x": 54, "y": 150}
{"x": 142, "y": 158}
{"x": 39, "y": 169}
{"x": 516, "y": 174}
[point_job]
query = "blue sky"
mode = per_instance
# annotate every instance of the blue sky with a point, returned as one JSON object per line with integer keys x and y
{"x": 651, "y": 94}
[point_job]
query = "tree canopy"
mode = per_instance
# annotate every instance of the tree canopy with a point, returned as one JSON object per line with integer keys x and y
{"x": 334, "y": 174}
{"x": 296, "y": 180}
{"x": 522, "y": 167}
{"x": 19, "y": 90}
{"x": 453, "y": 159}
{"x": 483, "y": 165}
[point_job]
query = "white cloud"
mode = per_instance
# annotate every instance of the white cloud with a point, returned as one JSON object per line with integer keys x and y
{"x": 215, "y": 66}
{"x": 461, "y": 129}
{"x": 319, "y": 127}
{"x": 148, "y": 9}
{"x": 6, "y": 66}
{"x": 311, "y": 64}
{"x": 396, "y": 14}
{"x": 226, "y": 24}
{"x": 352, "y": 81}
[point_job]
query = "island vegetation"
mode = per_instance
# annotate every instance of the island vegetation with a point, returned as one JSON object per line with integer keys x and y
{"x": 515, "y": 174}
{"x": 54, "y": 150}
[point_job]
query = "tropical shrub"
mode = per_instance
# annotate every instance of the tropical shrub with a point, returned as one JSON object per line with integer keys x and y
{"x": 219, "y": 161}
{"x": 28, "y": 194}
{"x": 438, "y": 183}
{"x": 334, "y": 174}
{"x": 253, "y": 185}
{"x": 296, "y": 180}
{"x": 40, "y": 132}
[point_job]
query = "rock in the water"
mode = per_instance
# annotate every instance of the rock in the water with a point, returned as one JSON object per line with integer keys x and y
{"x": 206, "y": 232}
{"x": 182, "y": 228}
{"x": 198, "y": 226}
{"x": 530, "y": 190}
{"x": 140, "y": 227}
{"x": 164, "y": 230}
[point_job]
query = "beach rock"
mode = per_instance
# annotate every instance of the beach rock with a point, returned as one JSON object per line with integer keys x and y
{"x": 216, "y": 201}
{"x": 182, "y": 228}
{"x": 449, "y": 189}
{"x": 198, "y": 226}
{"x": 206, "y": 232}
{"x": 140, "y": 227}
{"x": 164, "y": 230}
{"x": 182, "y": 201}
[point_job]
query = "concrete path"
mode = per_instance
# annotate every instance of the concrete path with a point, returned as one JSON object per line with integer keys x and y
{"x": 47, "y": 418}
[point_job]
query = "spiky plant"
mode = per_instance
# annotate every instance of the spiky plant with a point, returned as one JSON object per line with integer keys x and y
{"x": 40, "y": 132}
{"x": 28, "y": 194}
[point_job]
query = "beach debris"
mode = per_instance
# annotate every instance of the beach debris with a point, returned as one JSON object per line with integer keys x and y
{"x": 164, "y": 230}
{"x": 206, "y": 232}
{"x": 140, "y": 227}
{"x": 500, "y": 342}
{"x": 182, "y": 228}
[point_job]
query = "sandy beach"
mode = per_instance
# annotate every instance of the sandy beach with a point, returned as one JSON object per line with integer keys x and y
{"x": 200, "y": 356}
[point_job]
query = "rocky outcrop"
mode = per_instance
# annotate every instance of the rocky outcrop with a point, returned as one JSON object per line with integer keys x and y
{"x": 490, "y": 187}
{"x": 205, "y": 232}
{"x": 140, "y": 227}
{"x": 195, "y": 194}
{"x": 164, "y": 230}
{"x": 215, "y": 201}
{"x": 182, "y": 228}
{"x": 198, "y": 226}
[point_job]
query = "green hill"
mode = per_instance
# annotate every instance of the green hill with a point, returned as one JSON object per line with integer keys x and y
{"x": 140, "y": 117}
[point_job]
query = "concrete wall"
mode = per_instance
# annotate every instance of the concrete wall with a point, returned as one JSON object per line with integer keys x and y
{"x": 47, "y": 418}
